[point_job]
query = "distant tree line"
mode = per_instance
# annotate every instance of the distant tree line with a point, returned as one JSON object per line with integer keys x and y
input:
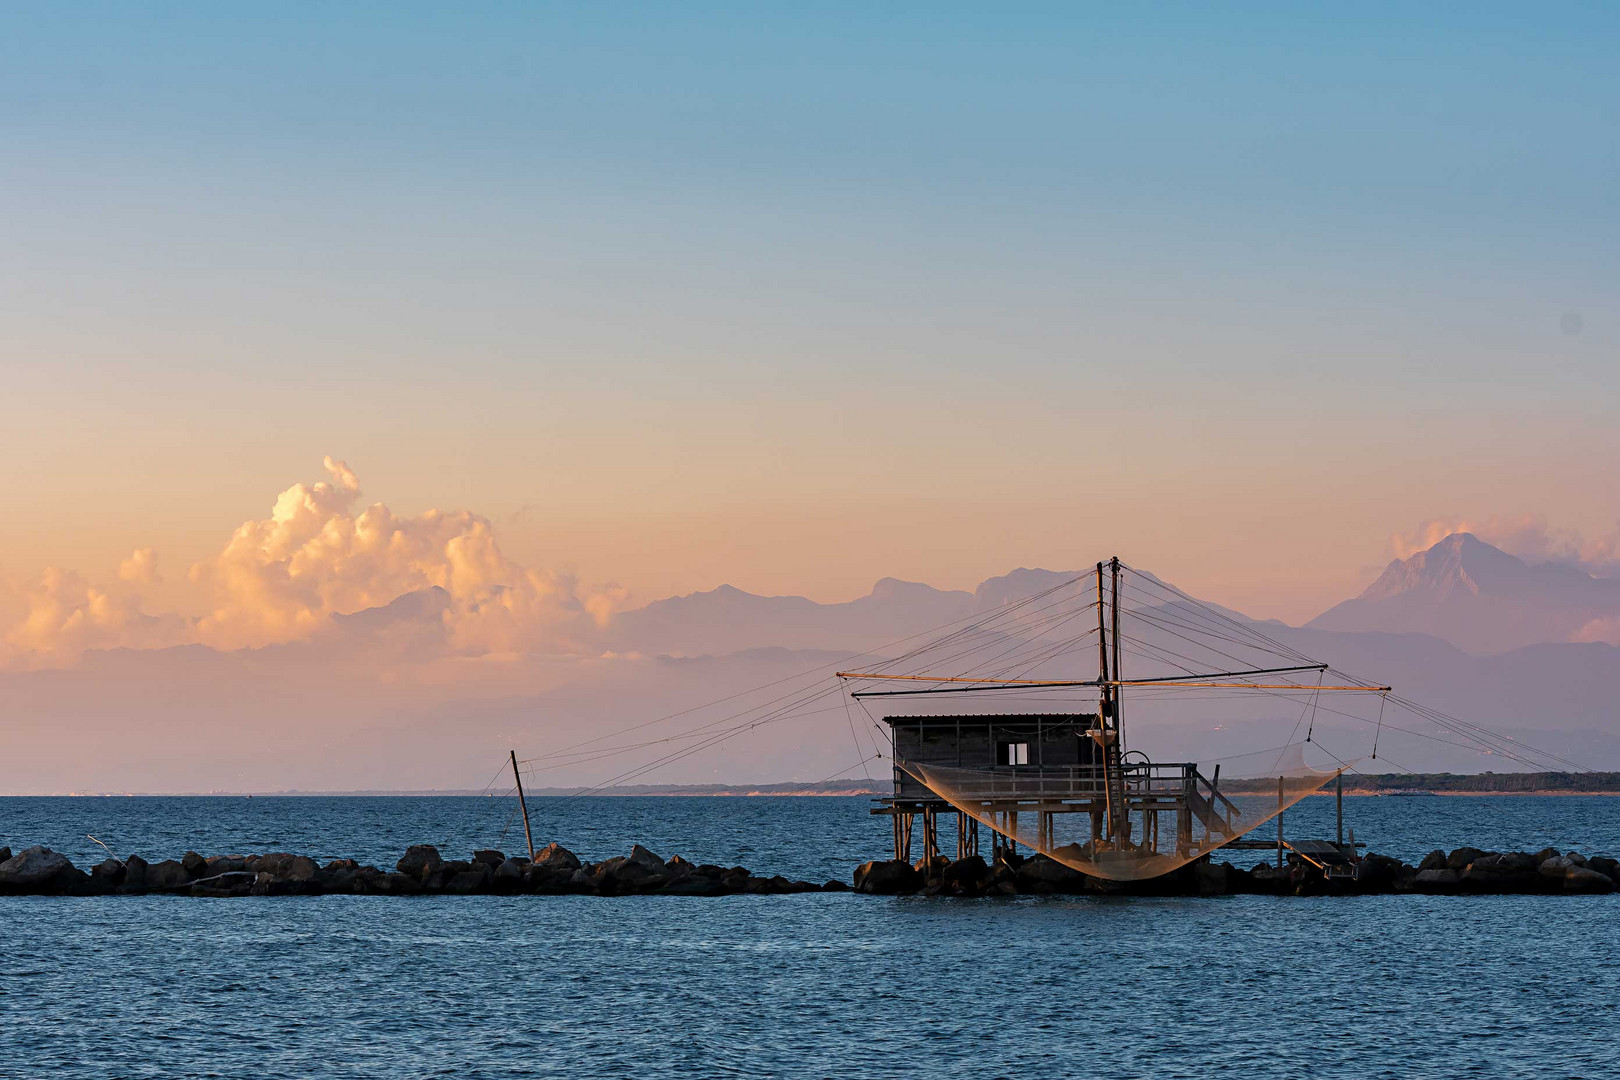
{"x": 1475, "y": 782}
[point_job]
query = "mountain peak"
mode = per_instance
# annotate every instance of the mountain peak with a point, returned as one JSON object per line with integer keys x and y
{"x": 1476, "y": 596}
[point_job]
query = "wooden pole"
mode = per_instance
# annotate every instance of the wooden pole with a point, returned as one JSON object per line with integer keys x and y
{"x": 1338, "y": 804}
{"x": 1119, "y": 671}
{"x": 527, "y": 835}
{"x": 1279, "y": 822}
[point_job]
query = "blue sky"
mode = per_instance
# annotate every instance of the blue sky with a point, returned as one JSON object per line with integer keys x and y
{"x": 701, "y": 267}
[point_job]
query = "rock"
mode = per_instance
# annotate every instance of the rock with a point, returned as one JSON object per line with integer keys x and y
{"x": 401, "y": 884}
{"x": 33, "y": 869}
{"x": 835, "y": 886}
{"x": 694, "y": 885}
{"x": 5, "y": 853}
{"x": 966, "y": 876}
{"x": 1463, "y": 857}
{"x": 338, "y": 865}
{"x": 1041, "y": 874}
{"x": 230, "y": 883}
{"x": 134, "y": 874}
{"x": 194, "y": 864}
{"x": 509, "y": 875}
{"x": 225, "y": 864}
{"x": 1576, "y": 858}
{"x": 1381, "y": 872}
{"x": 1444, "y": 880}
{"x": 887, "y": 878}
{"x": 1211, "y": 877}
{"x": 489, "y": 858}
{"x": 1512, "y": 862}
{"x": 556, "y": 857}
{"x": 419, "y": 861}
{"x": 168, "y": 874}
{"x": 1544, "y": 854}
{"x": 640, "y": 856}
{"x": 109, "y": 872}
{"x": 1553, "y": 868}
{"x": 470, "y": 881}
{"x": 630, "y": 873}
{"x": 1582, "y": 879}
{"x": 1606, "y": 866}
{"x": 1434, "y": 860}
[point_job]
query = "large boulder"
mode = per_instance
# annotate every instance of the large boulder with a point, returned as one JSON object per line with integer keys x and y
{"x": 640, "y": 871}
{"x": 194, "y": 864}
{"x": 645, "y": 859}
{"x": 556, "y": 857}
{"x": 135, "y": 869}
{"x": 1444, "y": 880}
{"x": 1041, "y": 874}
{"x": 1463, "y": 858}
{"x": 108, "y": 873}
{"x": 1584, "y": 879}
{"x": 1544, "y": 854}
{"x": 489, "y": 857}
{"x": 887, "y": 878}
{"x": 1554, "y": 868}
{"x": 230, "y": 883}
{"x": 966, "y": 876}
{"x": 1513, "y": 871}
{"x": 168, "y": 874}
{"x": 420, "y": 861}
{"x": 34, "y": 869}
{"x": 1434, "y": 860}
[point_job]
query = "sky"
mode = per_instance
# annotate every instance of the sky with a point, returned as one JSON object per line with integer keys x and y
{"x": 798, "y": 297}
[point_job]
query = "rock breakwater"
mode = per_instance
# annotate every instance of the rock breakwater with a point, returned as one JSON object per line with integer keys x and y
{"x": 556, "y": 871}
{"x": 1465, "y": 871}
{"x": 421, "y": 871}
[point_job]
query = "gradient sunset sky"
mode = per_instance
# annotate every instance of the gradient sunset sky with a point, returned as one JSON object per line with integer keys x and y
{"x": 796, "y": 297}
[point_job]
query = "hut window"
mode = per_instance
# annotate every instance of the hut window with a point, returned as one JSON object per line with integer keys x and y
{"x": 1012, "y": 753}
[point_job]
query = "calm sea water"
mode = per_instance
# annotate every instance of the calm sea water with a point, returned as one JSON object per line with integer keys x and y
{"x": 820, "y": 985}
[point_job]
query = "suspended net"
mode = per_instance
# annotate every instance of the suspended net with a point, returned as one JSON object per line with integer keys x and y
{"x": 1146, "y": 822}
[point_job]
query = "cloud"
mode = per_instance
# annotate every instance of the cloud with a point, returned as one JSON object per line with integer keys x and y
{"x": 140, "y": 568}
{"x": 319, "y": 553}
{"x": 1605, "y": 630}
{"x": 65, "y": 615}
{"x": 1527, "y": 535}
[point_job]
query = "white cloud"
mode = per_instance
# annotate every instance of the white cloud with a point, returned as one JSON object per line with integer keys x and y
{"x": 281, "y": 578}
{"x": 1527, "y": 535}
{"x": 140, "y": 568}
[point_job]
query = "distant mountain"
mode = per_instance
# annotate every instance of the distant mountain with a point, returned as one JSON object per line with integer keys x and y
{"x": 727, "y": 619}
{"x": 1480, "y": 599}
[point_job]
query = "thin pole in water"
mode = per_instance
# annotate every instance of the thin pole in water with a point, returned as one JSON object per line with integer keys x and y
{"x": 527, "y": 835}
{"x": 1279, "y": 822}
{"x": 1338, "y": 800}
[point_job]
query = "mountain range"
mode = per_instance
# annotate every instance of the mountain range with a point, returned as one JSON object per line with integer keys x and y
{"x": 382, "y": 698}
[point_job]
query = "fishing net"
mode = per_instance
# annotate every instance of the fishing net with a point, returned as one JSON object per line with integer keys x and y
{"x": 1171, "y": 814}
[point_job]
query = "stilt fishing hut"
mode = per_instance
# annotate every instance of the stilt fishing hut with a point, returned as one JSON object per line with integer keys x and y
{"x": 1064, "y": 782}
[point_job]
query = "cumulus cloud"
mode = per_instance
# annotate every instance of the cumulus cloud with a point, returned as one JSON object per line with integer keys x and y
{"x": 320, "y": 553}
{"x": 1604, "y": 630}
{"x": 140, "y": 568}
{"x": 1528, "y": 536}
{"x": 66, "y": 615}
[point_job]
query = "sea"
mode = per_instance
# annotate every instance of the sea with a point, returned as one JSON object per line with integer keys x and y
{"x": 812, "y": 985}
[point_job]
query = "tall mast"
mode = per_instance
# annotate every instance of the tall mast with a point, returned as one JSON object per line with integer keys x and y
{"x": 1119, "y": 670}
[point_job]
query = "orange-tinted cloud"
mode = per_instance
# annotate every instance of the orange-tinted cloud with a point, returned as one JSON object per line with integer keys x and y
{"x": 318, "y": 554}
